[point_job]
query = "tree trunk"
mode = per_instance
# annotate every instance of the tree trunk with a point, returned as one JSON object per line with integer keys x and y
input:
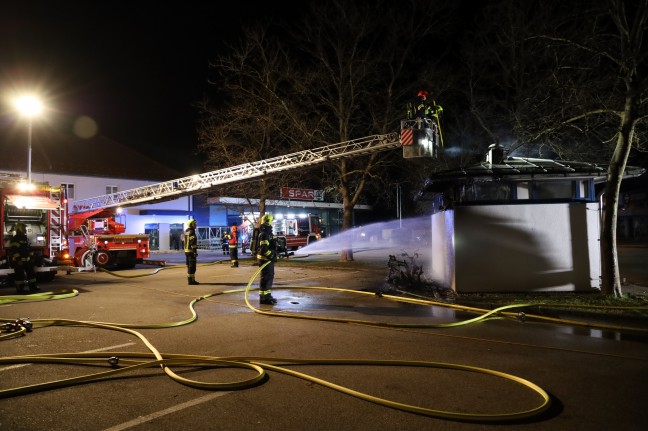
{"x": 611, "y": 282}
{"x": 346, "y": 254}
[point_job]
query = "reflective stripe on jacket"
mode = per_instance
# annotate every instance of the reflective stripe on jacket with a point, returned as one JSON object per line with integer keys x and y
{"x": 190, "y": 241}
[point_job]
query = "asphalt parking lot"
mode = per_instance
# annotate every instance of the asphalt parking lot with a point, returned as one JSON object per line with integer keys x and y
{"x": 327, "y": 327}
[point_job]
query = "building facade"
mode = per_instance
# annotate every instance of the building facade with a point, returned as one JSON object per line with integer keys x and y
{"x": 518, "y": 225}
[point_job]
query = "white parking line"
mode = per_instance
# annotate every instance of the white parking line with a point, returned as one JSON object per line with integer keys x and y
{"x": 11, "y": 367}
{"x": 142, "y": 419}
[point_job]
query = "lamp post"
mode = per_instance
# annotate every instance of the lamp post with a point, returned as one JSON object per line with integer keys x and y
{"x": 29, "y": 106}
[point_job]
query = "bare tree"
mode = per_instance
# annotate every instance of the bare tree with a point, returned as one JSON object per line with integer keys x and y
{"x": 631, "y": 60}
{"x": 250, "y": 119}
{"x": 358, "y": 81}
{"x": 584, "y": 94}
{"x": 608, "y": 60}
{"x": 343, "y": 72}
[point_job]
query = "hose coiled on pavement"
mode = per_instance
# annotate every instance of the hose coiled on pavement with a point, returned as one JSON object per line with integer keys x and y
{"x": 123, "y": 362}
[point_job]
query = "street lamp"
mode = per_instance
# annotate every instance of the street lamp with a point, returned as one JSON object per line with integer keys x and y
{"x": 29, "y": 106}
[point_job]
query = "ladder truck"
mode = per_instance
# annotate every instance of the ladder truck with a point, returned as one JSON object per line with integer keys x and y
{"x": 98, "y": 241}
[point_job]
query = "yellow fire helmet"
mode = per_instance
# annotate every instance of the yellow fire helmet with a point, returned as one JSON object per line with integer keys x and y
{"x": 267, "y": 219}
{"x": 191, "y": 224}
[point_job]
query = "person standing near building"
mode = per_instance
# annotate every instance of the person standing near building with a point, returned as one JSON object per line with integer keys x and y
{"x": 225, "y": 237}
{"x": 233, "y": 248}
{"x": 21, "y": 259}
{"x": 191, "y": 251}
{"x": 266, "y": 254}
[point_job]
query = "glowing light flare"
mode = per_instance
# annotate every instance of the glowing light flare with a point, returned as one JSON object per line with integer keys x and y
{"x": 25, "y": 187}
{"x": 29, "y": 106}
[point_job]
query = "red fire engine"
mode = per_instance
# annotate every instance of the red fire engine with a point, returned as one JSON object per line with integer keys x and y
{"x": 298, "y": 230}
{"x": 97, "y": 239}
{"x": 43, "y": 211}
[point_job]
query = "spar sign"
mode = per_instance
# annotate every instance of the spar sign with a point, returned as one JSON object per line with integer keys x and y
{"x": 302, "y": 194}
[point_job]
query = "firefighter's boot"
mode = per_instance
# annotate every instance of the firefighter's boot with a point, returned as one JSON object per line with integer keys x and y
{"x": 192, "y": 281}
{"x": 267, "y": 299}
{"x": 33, "y": 287}
{"x": 20, "y": 287}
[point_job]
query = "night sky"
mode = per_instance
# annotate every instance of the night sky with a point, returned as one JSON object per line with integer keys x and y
{"x": 134, "y": 67}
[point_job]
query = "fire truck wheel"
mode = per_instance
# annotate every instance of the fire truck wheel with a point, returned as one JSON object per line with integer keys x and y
{"x": 102, "y": 258}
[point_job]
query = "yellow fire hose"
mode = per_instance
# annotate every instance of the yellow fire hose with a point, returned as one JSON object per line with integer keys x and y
{"x": 123, "y": 362}
{"x": 483, "y": 313}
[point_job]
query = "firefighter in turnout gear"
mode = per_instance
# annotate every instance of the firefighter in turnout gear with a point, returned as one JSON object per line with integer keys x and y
{"x": 21, "y": 259}
{"x": 422, "y": 109}
{"x": 191, "y": 251}
{"x": 225, "y": 237}
{"x": 233, "y": 248}
{"x": 267, "y": 252}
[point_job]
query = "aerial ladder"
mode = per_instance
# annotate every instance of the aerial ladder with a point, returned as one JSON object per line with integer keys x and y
{"x": 186, "y": 186}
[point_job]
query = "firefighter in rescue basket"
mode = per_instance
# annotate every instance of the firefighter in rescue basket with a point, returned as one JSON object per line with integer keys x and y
{"x": 423, "y": 110}
{"x": 423, "y": 126}
{"x": 21, "y": 259}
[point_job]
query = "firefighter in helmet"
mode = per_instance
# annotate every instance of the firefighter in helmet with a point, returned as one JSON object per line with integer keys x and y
{"x": 421, "y": 107}
{"x": 21, "y": 259}
{"x": 191, "y": 251}
{"x": 233, "y": 247}
{"x": 266, "y": 255}
{"x": 225, "y": 238}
